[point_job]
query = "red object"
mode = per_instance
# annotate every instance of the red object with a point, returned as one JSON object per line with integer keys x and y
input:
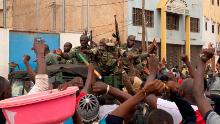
{"x": 180, "y": 81}
{"x": 48, "y": 107}
{"x": 82, "y": 94}
{"x": 199, "y": 118}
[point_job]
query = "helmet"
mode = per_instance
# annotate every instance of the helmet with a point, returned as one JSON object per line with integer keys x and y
{"x": 88, "y": 108}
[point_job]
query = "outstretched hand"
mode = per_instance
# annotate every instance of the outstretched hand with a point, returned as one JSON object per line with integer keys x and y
{"x": 99, "y": 88}
{"x": 26, "y": 58}
{"x": 153, "y": 63}
{"x": 155, "y": 86}
{"x": 172, "y": 86}
{"x": 77, "y": 81}
{"x": 207, "y": 54}
{"x": 185, "y": 58}
{"x": 39, "y": 46}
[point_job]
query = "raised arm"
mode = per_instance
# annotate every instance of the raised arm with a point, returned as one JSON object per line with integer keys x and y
{"x": 153, "y": 64}
{"x": 198, "y": 85}
{"x": 126, "y": 109}
{"x": 185, "y": 59}
{"x": 102, "y": 88}
{"x": 31, "y": 73}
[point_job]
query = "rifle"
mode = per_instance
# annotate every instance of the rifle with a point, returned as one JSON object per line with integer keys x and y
{"x": 116, "y": 34}
{"x": 91, "y": 40}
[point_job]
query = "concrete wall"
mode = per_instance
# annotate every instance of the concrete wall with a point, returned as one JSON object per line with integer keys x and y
{"x": 4, "y": 54}
{"x": 173, "y": 37}
{"x": 47, "y": 17}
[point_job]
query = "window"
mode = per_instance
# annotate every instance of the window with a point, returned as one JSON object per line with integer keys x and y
{"x": 218, "y": 28}
{"x": 172, "y": 21}
{"x": 206, "y": 27}
{"x": 194, "y": 24}
{"x": 137, "y": 17}
{"x": 218, "y": 2}
{"x": 213, "y": 28}
{"x": 213, "y": 2}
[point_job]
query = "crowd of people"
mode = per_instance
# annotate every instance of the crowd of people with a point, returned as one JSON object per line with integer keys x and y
{"x": 136, "y": 88}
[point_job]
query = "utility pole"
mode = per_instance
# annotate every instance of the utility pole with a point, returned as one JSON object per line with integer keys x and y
{"x": 143, "y": 44}
{"x": 54, "y": 15}
{"x": 37, "y": 14}
{"x": 63, "y": 18}
{"x": 4, "y": 13}
{"x": 87, "y": 15}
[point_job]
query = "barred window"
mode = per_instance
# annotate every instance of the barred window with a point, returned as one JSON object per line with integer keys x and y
{"x": 206, "y": 27}
{"x": 194, "y": 25}
{"x": 137, "y": 17}
{"x": 172, "y": 21}
{"x": 218, "y": 28}
{"x": 213, "y": 28}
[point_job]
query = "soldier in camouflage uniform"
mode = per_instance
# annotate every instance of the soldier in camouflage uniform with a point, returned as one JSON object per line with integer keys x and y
{"x": 107, "y": 56}
{"x": 67, "y": 48}
{"x": 50, "y": 57}
{"x": 130, "y": 55}
{"x": 84, "y": 49}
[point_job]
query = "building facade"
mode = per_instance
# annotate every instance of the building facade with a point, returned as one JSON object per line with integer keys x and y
{"x": 176, "y": 25}
{"x": 211, "y": 22}
{"x": 66, "y": 16}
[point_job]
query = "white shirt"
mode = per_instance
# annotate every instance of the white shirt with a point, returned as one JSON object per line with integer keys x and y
{"x": 41, "y": 83}
{"x": 106, "y": 109}
{"x": 172, "y": 109}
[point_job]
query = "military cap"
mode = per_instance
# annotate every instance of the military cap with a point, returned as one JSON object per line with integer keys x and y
{"x": 84, "y": 37}
{"x": 131, "y": 37}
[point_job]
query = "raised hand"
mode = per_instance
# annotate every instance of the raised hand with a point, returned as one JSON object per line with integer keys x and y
{"x": 153, "y": 63}
{"x": 185, "y": 58}
{"x": 172, "y": 86}
{"x": 77, "y": 81}
{"x": 39, "y": 46}
{"x": 207, "y": 54}
{"x": 99, "y": 88}
{"x": 155, "y": 86}
{"x": 26, "y": 58}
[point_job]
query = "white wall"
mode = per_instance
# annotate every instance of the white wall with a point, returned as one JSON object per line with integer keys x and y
{"x": 70, "y": 37}
{"x": 4, "y": 52}
{"x": 1, "y": 4}
{"x": 208, "y": 36}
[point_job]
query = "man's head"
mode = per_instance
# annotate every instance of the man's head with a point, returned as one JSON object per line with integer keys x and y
{"x": 158, "y": 116}
{"x": 102, "y": 44}
{"x": 84, "y": 40}
{"x": 5, "y": 89}
{"x": 130, "y": 41}
{"x": 67, "y": 47}
{"x": 186, "y": 90}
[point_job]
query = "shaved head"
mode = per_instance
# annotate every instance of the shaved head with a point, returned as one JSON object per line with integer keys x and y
{"x": 187, "y": 86}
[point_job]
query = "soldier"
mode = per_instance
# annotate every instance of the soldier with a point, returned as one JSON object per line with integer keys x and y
{"x": 130, "y": 55}
{"x": 84, "y": 49}
{"x": 107, "y": 56}
{"x": 67, "y": 49}
{"x": 50, "y": 57}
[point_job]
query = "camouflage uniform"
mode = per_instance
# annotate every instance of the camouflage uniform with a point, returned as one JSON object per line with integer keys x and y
{"x": 51, "y": 59}
{"x": 107, "y": 63}
{"x": 130, "y": 64}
